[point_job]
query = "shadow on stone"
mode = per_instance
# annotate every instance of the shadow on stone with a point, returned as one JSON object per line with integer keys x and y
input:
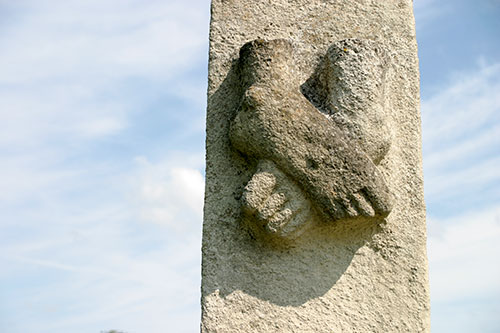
{"x": 287, "y": 274}
{"x": 293, "y": 275}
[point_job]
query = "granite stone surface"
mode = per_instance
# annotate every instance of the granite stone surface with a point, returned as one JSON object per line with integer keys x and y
{"x": 314, "y": 217}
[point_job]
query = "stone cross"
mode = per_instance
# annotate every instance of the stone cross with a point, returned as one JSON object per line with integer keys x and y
{"x": 314, "y": 217}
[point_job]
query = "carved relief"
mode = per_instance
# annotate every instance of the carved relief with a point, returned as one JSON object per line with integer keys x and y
{"x": 318, "y": 149}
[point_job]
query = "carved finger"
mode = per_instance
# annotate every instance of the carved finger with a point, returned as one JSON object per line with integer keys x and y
{"x": 279, "y": 220}
{"x": 258, "y": 189}
{"x": 337, "y": 210}
{"x": 381, "y": 203}
{"x": 349, "y": 207}
{"x": 297, "y": 223}
{"x": 362, "y": 204}
{"x": 292, "y": 220}
{"x": 271, "y": 206}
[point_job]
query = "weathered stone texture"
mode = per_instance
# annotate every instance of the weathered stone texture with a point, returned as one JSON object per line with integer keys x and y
{"x": 355, "y": 61}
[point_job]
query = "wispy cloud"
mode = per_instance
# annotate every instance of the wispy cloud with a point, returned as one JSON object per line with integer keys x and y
{"x": 463, "y": 254}
{"x": 94, "y": 41}
{"x": 461, "y": 125}
{"x": 460, "y": 139}
{"x": 93, "y": 206}
{"x": 171, "y": 195}
{"x": 464, "y": 273}
{"x": 114, "y": 266}
{"x": 68, "y": 68}
{"x": 426, "y": 11}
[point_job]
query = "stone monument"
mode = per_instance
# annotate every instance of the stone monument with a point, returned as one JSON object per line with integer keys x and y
{"x": 314, "y": 217}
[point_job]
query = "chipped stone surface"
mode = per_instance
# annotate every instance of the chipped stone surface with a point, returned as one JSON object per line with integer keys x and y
{"x": 340, "y": 275}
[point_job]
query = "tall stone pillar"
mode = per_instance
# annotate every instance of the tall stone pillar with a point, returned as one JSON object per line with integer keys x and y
{"x": 314, "y": 217}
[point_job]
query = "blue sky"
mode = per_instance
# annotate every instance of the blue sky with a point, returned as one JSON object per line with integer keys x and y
{"x": 102, "y": 108}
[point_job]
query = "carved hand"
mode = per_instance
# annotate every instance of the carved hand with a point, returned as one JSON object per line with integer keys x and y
{"x": 276, "y": 202}
{"x": 276, "y": 122}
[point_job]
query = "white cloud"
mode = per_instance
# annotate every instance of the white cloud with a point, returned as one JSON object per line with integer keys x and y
{"x": 73, "y": 69}
{"x": 483, "y": 139}
{"x": 102, "y": 126}
{"x": 102, "y": 40}
{"x": 170, "y": 194}
{"x": 427, "y": 10}
{"x": 463, "y": 253}
{"x": 79, "y": 251}
{"x": 461, "y": 144}
{"x": 110, "y": 267}
{"x": 71, "y": 76}
{"x": 460, "y": 136}
{"x": 468, "y": 103}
